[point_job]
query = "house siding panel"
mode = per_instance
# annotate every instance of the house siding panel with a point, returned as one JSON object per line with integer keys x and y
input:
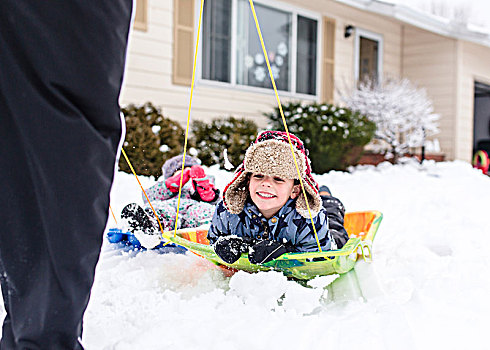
{"x": 429, "y": 61}
{"x": 346, "y": 15}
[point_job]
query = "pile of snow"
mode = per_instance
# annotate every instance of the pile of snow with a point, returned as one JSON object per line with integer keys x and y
{"x": 430, "y": 257}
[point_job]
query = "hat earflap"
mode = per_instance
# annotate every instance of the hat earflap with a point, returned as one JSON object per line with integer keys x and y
{"x": 236, "y": 192}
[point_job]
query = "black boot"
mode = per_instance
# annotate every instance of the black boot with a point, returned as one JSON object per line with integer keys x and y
{"x": 139, "y": 220}
{"x": 143, "y": 225}
{"x": 325, "y": 191}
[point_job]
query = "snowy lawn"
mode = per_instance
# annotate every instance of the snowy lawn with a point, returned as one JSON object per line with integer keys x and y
{"x": 431, "y": 256}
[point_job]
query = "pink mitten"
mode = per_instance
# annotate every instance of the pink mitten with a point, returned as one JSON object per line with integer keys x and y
{"x": 173, "y": 182}
{"x": 202, "y": 185}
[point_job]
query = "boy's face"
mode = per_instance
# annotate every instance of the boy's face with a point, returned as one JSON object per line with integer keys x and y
{"x": 270, "y": 193}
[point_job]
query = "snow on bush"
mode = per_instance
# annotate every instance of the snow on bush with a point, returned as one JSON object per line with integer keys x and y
{"x": 404, "y": 114}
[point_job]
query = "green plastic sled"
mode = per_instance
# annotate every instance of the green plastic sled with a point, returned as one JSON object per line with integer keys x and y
{"x": 361, "y": 227}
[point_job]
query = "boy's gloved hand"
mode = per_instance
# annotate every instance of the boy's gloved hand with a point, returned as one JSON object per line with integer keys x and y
{"x": 230, "y": 248}
{"x": 203, "y": 187}
{"x": 173, "y": 182}
{"x": 266, "y": 250}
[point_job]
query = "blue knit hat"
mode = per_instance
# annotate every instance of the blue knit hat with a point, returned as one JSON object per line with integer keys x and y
{"x": 175, "y": 163}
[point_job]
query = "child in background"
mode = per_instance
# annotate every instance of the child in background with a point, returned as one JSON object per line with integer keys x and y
{"x": 197, "y": 203}
{"x": 264, "y": 212}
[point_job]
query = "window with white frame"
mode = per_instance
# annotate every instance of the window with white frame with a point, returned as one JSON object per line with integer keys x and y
{"x": 232, "y": 52}
{"x": 369, "y": 56}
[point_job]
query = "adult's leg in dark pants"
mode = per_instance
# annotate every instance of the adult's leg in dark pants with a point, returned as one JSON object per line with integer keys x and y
{"x": 61, "y": 67}
{"x": 7, "y": 336}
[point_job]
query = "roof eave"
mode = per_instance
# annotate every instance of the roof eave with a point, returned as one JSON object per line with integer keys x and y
{"x": 426, "y": 21}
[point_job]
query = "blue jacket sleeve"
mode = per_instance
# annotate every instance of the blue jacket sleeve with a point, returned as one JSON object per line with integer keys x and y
{"x": 305, "y": 236}
{"x": 219, "y": 223}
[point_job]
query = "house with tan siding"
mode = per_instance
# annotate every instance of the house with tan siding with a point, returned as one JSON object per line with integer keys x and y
{"x": 316, "y": 49}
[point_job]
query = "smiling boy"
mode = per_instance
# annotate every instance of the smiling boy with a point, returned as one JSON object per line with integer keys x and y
{"x": 264, "y": 211}
{"x": 270, "y": 193}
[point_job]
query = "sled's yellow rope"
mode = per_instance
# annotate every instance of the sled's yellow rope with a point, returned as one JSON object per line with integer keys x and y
{"x": 188, "y": 117}
{"x": 148, "y": 199}
{"x": 283, "y": 119}
{"x": 114, "y": 216}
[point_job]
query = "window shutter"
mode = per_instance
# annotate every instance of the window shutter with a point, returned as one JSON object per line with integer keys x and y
{"x": 183, "y": 51}
{"x": 141, "y": 15}
{"x": 328, "y": 59}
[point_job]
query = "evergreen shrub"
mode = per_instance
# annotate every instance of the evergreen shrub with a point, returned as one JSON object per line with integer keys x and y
{"x": 151, "y": 139}
{"x": 334, "y": 136}
{"x": 231, "y": 134}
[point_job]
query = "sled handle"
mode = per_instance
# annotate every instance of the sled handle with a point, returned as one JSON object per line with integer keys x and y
{"x": 366, "y": 251}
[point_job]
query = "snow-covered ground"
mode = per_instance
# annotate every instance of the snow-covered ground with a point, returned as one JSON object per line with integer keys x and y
{"x": 431, "y": 258}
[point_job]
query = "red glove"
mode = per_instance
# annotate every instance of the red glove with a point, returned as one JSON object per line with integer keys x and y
{"x": 204, "y": 188}
{"x": 173, "y": 182}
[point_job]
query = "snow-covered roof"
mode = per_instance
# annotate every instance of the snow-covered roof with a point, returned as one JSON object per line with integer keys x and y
{"x": 427, "y": 21}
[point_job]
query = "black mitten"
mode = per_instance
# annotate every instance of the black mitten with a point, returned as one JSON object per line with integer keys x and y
{"x": 230, "y": 248}
{"x": 266, "y": 250}
{"x": 140, "y": 219}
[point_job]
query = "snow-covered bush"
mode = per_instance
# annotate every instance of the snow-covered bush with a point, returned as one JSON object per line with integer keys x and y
{"x": 223, "y": 137}
{"x": 334, "y": 136}
{"x": 402, "y": 112}
{"x": 151, "y": 139}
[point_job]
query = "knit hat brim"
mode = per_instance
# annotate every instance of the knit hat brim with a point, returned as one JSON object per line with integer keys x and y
{"x": 175, "y": 163}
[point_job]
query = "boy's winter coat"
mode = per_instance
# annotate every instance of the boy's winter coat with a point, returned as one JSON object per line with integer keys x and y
{"x": 287, "y": 226}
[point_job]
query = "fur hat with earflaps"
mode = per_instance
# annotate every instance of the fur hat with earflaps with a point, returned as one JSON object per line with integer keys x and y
{"x": 270, "y": 154}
